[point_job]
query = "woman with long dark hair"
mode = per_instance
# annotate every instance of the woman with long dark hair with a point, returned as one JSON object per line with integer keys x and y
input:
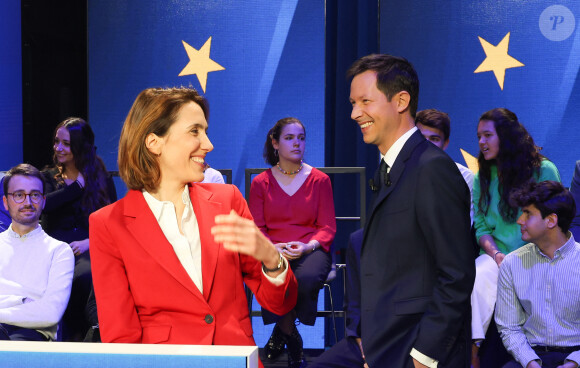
{"x": 292, "y": 204}
{"x": 508, "y": 159}
{"x": 77, "y": 185}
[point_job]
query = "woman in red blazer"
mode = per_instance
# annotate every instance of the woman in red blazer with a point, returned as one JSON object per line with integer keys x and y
{"x": 171, "y": 258}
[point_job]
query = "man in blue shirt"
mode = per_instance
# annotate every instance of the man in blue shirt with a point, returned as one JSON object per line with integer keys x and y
{"x": 538, "y": 309}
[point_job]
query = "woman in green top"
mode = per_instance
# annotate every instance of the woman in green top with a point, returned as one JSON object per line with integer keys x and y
{"x": 508, "y": 158}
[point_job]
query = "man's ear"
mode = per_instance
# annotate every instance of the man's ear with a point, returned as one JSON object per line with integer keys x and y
{"x": 154, "y": 143}
{"x": 552, "y": 220}
{"x": 5, "y": 202}
{"x": 403, "y": 101}
{"x": 445, "y": 144}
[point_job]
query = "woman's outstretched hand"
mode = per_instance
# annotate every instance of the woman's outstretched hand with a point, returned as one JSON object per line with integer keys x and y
{"x": 239, "y": 234}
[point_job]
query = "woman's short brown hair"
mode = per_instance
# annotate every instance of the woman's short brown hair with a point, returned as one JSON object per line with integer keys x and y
{"x": 154, "y": 111}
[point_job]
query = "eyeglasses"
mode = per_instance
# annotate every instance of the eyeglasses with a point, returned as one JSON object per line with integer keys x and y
{"x": 20, "y": 196}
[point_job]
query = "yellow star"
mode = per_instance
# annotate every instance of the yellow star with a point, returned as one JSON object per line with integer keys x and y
{"x": 471, "y": 161}
{"x": 200, "y": 63}
{"x": 497, "y": 59}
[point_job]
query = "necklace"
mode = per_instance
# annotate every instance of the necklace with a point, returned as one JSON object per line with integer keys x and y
{"x": 291, "y": 172}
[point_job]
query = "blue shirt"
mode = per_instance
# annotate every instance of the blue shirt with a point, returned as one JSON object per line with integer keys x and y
{"x": 538, "y": 300}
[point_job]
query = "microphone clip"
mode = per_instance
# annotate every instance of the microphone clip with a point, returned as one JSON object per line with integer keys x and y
{"x": 372, "y": 185}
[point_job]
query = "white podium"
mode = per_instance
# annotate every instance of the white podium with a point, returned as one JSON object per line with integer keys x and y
{"x": 24, "y": 354}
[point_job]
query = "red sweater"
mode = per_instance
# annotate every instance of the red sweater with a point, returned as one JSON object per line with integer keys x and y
{"x": 307, "y": 214}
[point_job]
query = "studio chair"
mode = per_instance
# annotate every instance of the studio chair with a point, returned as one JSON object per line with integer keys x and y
{"x": 335, "y": 268}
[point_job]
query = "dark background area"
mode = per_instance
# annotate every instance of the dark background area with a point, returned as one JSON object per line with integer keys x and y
{"x": 54, "y": 72}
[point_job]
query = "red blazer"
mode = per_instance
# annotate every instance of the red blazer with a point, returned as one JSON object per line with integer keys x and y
{"x": 143, "y": 293}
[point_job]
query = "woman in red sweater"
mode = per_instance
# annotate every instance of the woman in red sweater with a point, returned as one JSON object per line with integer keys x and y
{"x": 292, "y": 204}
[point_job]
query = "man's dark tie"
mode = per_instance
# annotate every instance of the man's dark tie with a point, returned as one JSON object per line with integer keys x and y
{"x": 383, "y": 175}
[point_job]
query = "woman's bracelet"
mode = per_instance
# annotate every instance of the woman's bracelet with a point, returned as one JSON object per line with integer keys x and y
{"x": 496, "y": 253}
{"x": 278, "y": 267}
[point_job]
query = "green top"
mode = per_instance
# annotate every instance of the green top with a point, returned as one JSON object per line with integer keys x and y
{"x": 506, "y": 235}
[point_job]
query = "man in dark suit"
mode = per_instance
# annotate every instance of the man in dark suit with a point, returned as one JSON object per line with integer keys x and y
{"x": 416, "y": 262}
{"x": 348, "y": 351}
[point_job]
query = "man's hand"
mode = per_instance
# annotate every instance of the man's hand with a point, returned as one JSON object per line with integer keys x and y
{"x": 533, "y": 364}
{"x": 416, "y": 364}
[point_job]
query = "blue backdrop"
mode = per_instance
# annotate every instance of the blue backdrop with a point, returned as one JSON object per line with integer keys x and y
{"x": 443, "y": 42}
{"x": 271, "y": 53}
{"x": 10, "y": 84}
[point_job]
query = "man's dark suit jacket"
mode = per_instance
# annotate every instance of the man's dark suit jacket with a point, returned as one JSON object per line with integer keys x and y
{"x": 352, "y": 296}
{"x": 575, "y": 190}
{"x": 416, "y": 265}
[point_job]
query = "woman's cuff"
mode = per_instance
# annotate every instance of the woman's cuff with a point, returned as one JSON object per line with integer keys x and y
{"x": 278, "y": 280}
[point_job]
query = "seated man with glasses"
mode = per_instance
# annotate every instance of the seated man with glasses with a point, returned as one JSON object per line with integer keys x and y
{"x": 35, "y": 270}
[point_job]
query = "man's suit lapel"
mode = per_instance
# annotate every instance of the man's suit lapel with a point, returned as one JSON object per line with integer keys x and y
{"x": 398, "y": 167}
{"x": 395, "y": 173}
{"x": 149, "y": 235}
{"x": 205, "y": 211}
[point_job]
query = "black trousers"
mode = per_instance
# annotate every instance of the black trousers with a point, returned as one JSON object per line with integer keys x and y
{"x": 15, "y": 333}
{"x": 311, "y": 271}
{"x": 344, "y": 354}
{"x": 550, "y": 359}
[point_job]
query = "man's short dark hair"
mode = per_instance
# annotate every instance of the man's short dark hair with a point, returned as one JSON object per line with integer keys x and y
{"x": 548, "y": 197}
{"x": 394, "y": 74}
{"x": 24, "y": 170}
{"x": 435, "y": 119}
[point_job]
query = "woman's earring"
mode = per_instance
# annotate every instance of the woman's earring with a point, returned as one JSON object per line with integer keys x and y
{"x": 276, "y": 152}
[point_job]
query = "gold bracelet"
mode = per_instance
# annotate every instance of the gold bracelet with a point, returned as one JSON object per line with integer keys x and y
{"x": 278, "y": 267}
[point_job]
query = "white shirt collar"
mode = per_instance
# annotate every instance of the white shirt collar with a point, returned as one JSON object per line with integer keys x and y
{"x": 396, "y": 148}
{"x": 14, "y": 234}
{"x": 157, "y": 206}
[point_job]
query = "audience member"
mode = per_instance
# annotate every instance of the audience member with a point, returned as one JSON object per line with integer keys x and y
{"x": 538, "y": 309}
{"x": 150, "y": 283}
{"x": 4, "y": 215}
{"x": 418, "y": 271}
{"x": 348, "y": 352}
{"x": 77, "y": 185}
{"x": 292, "y": 204}
{"x": 212, "y": 176}
{"x": 94, "y": 333}
{"x": 435, "y": 126}
{"x": 508, "y": 159}
{"x": 35, "y": 270}
{"x": 575, "y": 190}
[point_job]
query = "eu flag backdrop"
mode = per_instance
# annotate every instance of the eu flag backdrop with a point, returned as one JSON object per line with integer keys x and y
{"x": 445, "y": 42}
{"x": 10, "y": 84}
{"x": 255, "y": 61}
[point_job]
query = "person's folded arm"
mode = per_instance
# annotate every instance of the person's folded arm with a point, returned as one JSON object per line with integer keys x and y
{"x": 47, "y": 310}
